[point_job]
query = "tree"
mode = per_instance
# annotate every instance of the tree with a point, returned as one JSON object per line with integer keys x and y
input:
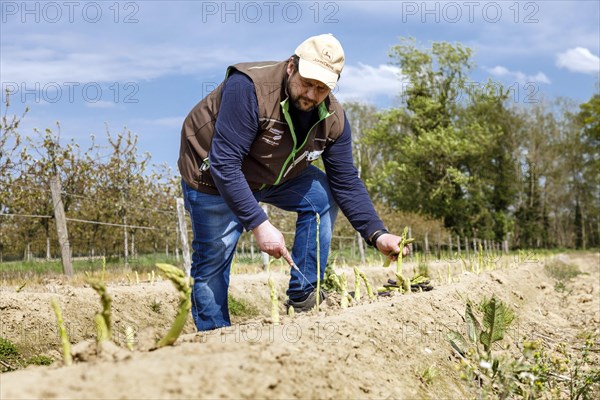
{"x": 125, "y": 170}
{"x": 494, "y": 170}
{"x": 440, "y": 153}
{"x": 10, "y": 147}
{"x": 362, "y": 118}
{"x": 588, "y": 172}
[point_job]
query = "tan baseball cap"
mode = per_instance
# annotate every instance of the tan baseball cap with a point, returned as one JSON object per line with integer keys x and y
{"x": 321, "y": 58}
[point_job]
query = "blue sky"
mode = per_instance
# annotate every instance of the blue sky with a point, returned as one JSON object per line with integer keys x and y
{"x": 144, "y": 64}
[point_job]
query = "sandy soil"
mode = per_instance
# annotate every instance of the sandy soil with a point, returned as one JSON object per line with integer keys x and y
{"x": 375, "y": 349}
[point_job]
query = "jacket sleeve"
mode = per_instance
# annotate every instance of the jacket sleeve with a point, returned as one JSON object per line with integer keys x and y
{"x": 348, "y": 190}
{"x": 235, "y": 130}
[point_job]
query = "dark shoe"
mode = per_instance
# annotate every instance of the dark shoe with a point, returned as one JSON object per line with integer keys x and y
{"x": 306, "y": 304}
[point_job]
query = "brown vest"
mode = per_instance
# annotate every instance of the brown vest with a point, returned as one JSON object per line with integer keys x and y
{"x": 273, "y": 157}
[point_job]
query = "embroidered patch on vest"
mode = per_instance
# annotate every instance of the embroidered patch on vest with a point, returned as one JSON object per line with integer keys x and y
{"x": 272, "y": 137}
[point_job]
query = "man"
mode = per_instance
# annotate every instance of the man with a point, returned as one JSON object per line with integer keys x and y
{"x": 253, "y": 140}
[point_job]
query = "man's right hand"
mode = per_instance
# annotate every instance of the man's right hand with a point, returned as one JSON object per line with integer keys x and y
{"x": 271, "y": 241}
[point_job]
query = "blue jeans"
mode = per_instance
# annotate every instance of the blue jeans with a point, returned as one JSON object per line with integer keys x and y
{"x": 216, "y": 232}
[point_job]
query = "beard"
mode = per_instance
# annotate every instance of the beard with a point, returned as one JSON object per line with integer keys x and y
{"x": 301, "y": 103}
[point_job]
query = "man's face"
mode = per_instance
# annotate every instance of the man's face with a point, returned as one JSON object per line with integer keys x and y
{"x": 305, "y": 94}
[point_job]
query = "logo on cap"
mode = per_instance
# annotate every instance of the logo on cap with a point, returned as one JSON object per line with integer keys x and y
{"x": 321, "y": 58}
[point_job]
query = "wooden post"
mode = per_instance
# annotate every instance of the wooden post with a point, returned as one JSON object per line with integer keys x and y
{"x": 176, "y": 249}
{"x": 126, "y": 242}
{"x": 27, "y": 252}
{"x": 467, "y": 245}
{"x": 185, "y": 250}
{"x": 410, "y": 246}
{"x": 450, "y": 247}
{"x": 61, "y": 226}
{"x": 426, "y": 245}
{"x": 458, "y": 246}
{"x": 133, "y": 252}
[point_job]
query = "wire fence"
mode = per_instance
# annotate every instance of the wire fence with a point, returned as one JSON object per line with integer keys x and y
{"x": 159, "y": 232}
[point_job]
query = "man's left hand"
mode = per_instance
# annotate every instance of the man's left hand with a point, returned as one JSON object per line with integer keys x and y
{"x": 388, "y": 244}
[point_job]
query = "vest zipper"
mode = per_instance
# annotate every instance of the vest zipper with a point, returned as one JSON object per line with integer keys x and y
{"x": 323, "y": 114}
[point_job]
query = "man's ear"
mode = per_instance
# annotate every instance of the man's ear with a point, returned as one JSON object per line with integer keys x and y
{"x": 290, "y": 66}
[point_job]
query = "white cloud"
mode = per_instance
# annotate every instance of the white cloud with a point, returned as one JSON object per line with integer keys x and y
{"x": 365, "y": 82}
{"x": 45, "y": 62}
{"x": 518, "y": 76}
{"x": 579, "y": 59}
{"x": 499, "y": 71}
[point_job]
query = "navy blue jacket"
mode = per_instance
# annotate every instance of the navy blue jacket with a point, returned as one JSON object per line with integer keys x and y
{"x": 235, "y": 129}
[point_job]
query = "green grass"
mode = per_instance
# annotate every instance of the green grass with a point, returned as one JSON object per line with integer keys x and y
{"x": 23, "y": 270}
{"x": 561, "y": 271}
{"x": 12, "y": 359}
{"x": 339, "y": 257}
{"x": 240, "y": 308}
{"x": 7, "y": 349}
{"x": 428, "y": 375}
{"x": 423, "y": 269}
{"x": 40, "y": 360}
{"x": 156, "y": 306}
